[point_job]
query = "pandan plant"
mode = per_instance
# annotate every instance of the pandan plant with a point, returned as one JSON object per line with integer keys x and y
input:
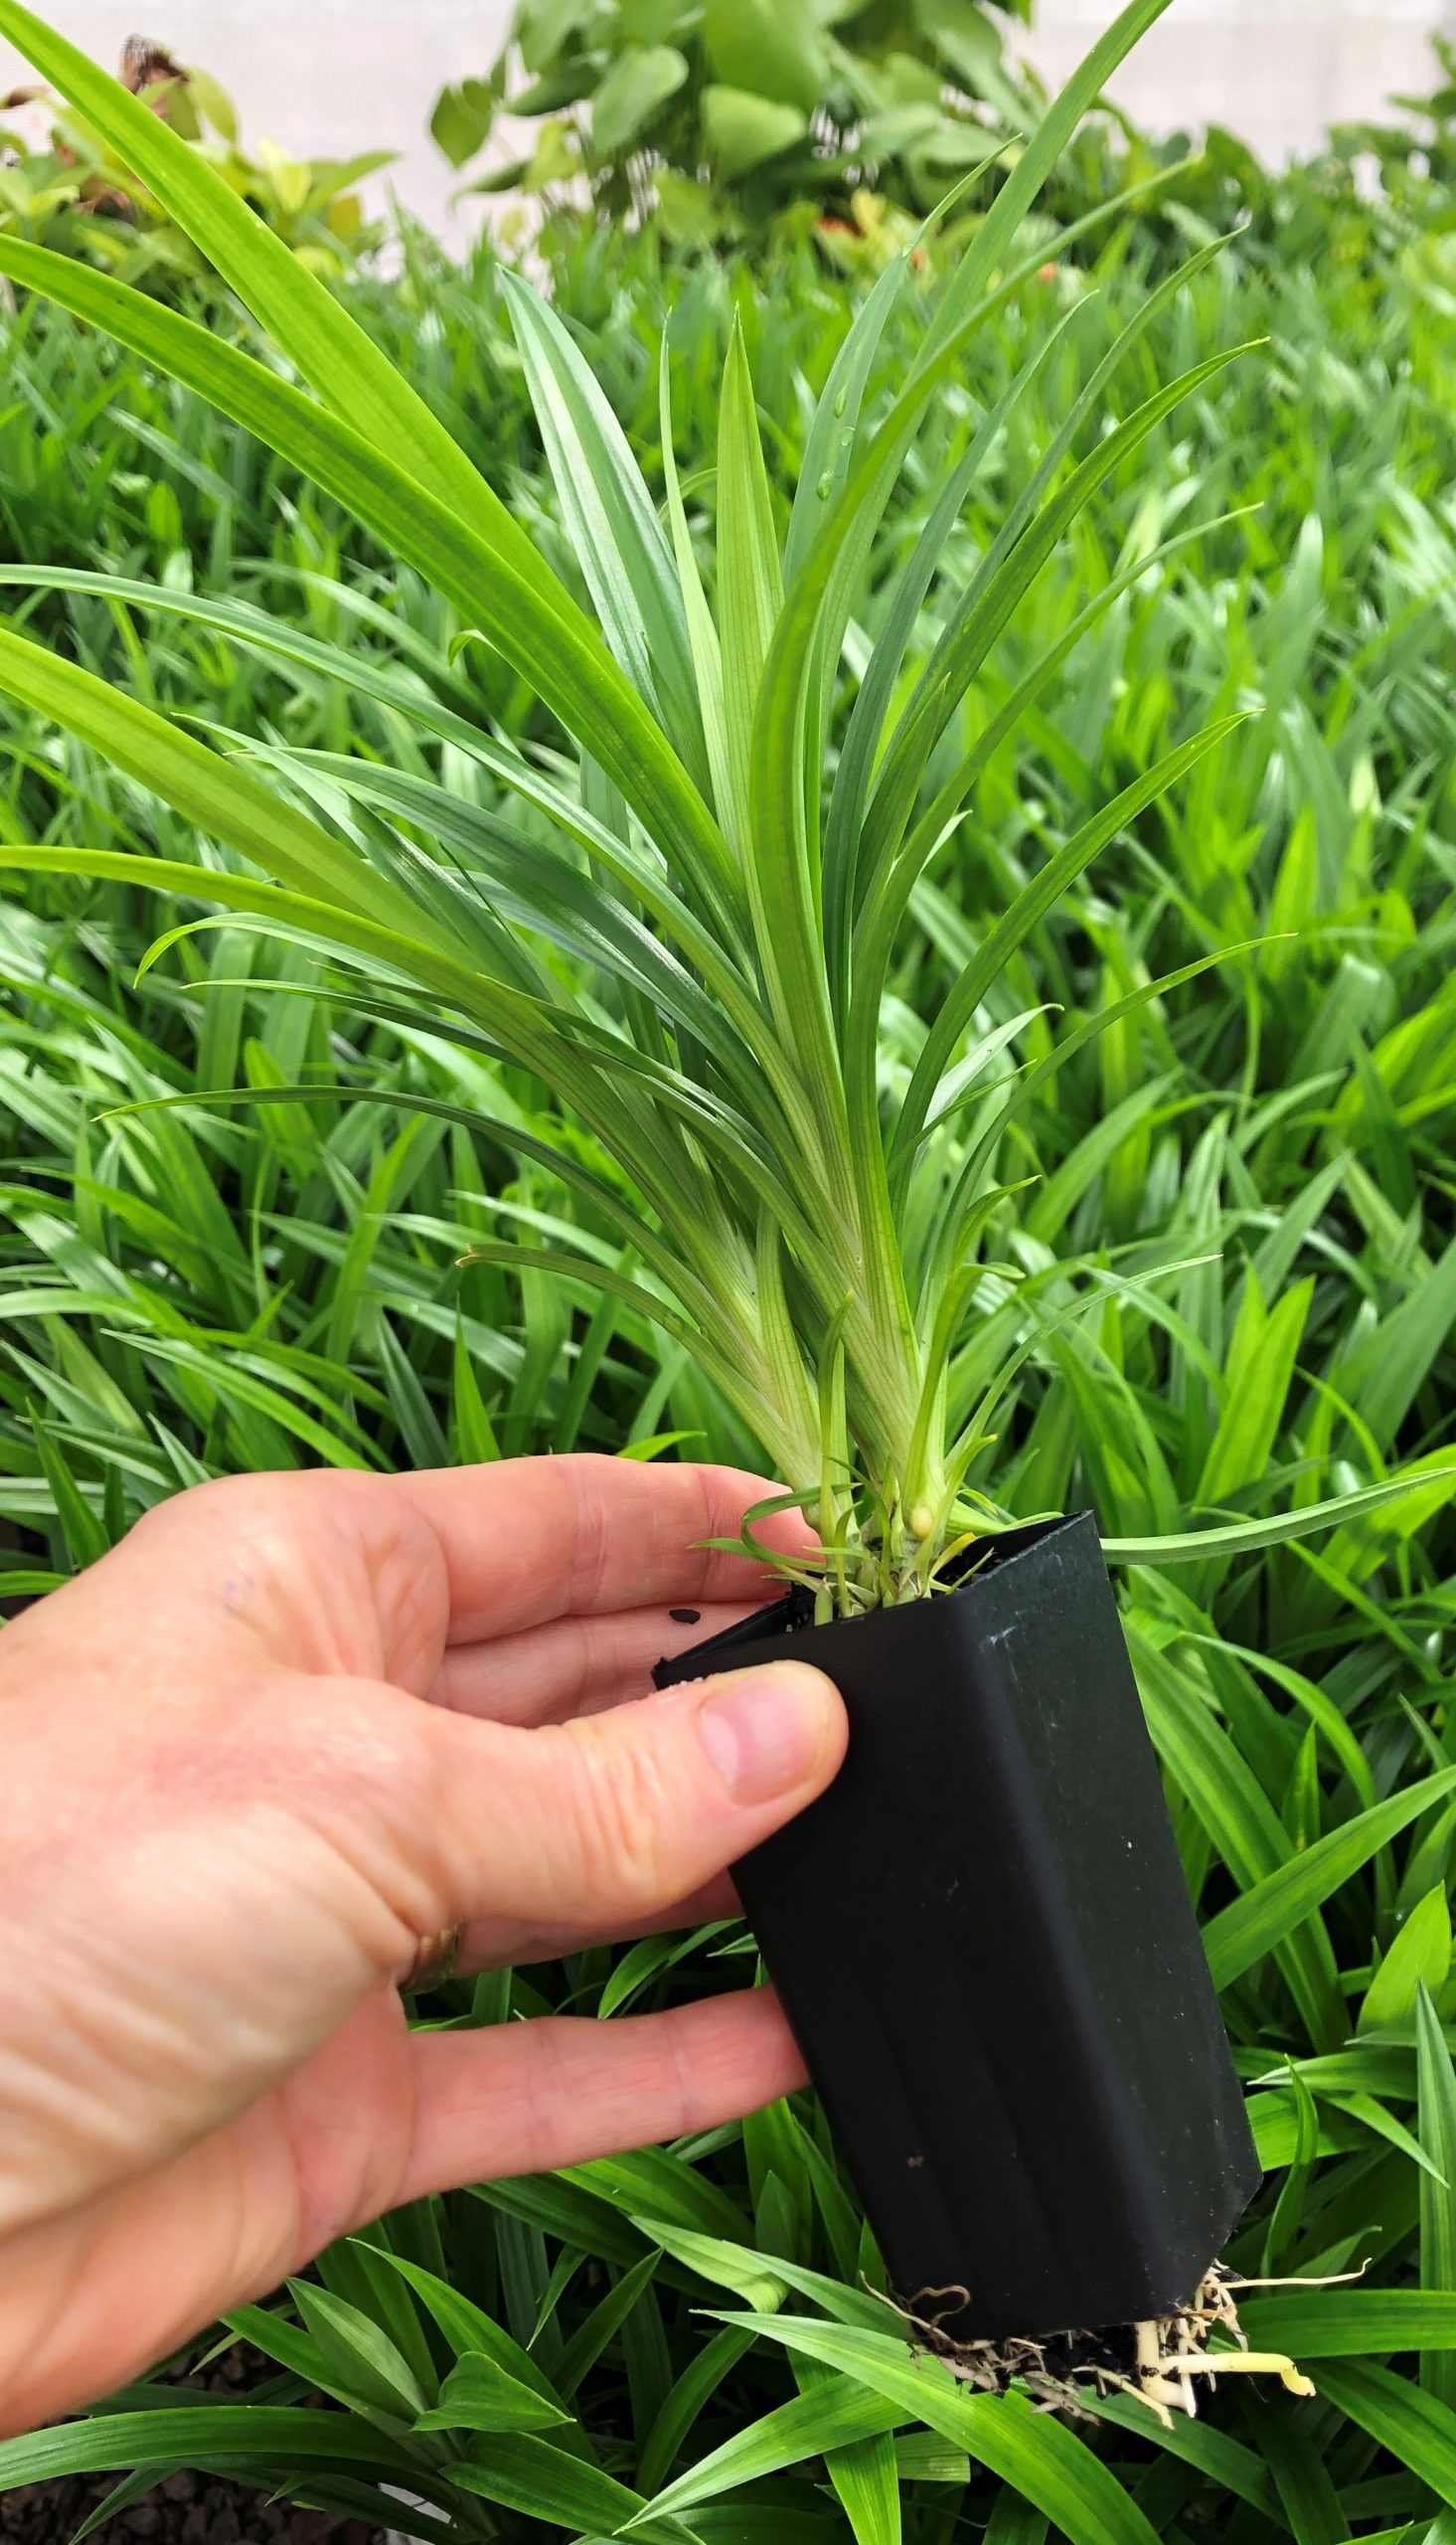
{"x": 684, "y": 930}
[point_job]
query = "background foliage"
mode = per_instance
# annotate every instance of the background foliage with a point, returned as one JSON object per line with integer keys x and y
{"x": 197, "y": 1292}
{"x": 70, "y": 192}
{"x": 722, "y": 117}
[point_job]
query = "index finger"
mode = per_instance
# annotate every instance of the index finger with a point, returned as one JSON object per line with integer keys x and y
{"x": 540, "y": 1538}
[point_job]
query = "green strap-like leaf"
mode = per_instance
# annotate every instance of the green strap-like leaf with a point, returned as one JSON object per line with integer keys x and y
{"x": 1036, "y": 2455}
{"x": 312, "y": 325}
{"x": 469, "y": 2331}
{"x": 543, "y": 2482}
{"x": 995, "y": 234}
{"x": 958, "y": 1009}
{"x": 880, "y": 924}
{"x": 703, "y": 635}
{"x": 1349, "y": 2323}
{"x": 1435, "y": 2078}
{"x": 808, "y": 2426}
{"x": 617, "y": 537}
{"x": 1225, "y": 2460}
{"x": 264, "y": 632}
{"x": 531, "y": 1036}
{"x": 1029, "y": 535}
{"x": 1419, "y": 2432}
{"x": 224, "y": 801}
{"x": 479, "y": 2393}
{"x": 1241, "y": 1537}
{"x": 1240, "y": 1935}
{"x": 844, "y": 885}
{"x": 553, "y": 890}
{"x": 830, "y": 444}
{"x": 512, "y": 598}
{"x": 200, "y": 2435}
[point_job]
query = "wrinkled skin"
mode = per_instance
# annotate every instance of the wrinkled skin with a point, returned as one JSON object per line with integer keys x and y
{"x": 292, "y": 1727}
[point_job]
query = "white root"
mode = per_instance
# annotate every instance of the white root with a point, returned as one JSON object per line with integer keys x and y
{"x": 1246, "y": 2363}
{"x": 1299, "y": 2279}
{"x": 1164, "y": 2356}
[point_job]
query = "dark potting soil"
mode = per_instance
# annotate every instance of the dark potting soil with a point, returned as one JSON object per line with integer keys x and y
{"x": 1052, "y": 2366}
{"x": 184, "y": 2509}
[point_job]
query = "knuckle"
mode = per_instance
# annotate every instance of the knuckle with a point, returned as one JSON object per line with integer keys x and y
{"x": 624, "y": 1818}
{"x": 224, "y": 1502}
{"x": 210, "y": 1527}
{"x": 349, "y": 1738}
{"x": 591, "y": 1541}
{"x": 352, "y": 1766}
{"x": 327, "y": 1571}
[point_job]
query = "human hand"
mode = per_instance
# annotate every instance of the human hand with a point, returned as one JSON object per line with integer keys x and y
{"x": 293, "y": 1726}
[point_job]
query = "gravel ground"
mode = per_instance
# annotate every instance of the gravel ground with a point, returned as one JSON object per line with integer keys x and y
{"x": 185, "y": 2509}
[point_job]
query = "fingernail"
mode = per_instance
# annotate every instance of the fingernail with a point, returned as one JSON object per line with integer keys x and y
{"x": 764, "y": 1729}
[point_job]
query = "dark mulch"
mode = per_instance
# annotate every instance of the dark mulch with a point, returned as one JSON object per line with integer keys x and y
{"x": 185, "y": 2509}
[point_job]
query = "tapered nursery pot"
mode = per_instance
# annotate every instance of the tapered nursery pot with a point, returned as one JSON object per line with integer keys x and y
{"x": 985, "y": 1946}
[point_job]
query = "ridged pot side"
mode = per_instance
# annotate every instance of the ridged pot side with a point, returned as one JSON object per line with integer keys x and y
{"x": 985, "y": 1946}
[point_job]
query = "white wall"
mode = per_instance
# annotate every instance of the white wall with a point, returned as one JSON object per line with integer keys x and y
{"x": 326, "y": 78}
{"x": 1277, "y": 71}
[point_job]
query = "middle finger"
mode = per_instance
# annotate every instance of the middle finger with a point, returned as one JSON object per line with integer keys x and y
{"x": 571, "y": 1665}
{"x": 504, "y": 1944}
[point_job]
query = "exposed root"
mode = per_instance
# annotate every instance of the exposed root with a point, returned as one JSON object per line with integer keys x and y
{"x": 1175, "y": 2350}
{"x": 1156, "y": 2362}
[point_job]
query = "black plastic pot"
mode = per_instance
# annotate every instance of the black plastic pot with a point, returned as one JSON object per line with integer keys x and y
{"x": 984, "y": 1942}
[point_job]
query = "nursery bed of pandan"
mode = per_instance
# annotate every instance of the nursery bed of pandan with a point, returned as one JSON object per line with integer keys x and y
{"x": 181, "y": 2507}
{"x": 216, "y": 1286}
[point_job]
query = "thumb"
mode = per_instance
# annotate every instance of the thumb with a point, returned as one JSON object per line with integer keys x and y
{"x": 619, "y": 1814}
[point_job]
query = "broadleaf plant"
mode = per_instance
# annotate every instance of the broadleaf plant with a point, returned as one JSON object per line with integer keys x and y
{"x": 686, "y": 932}
{"x": 73, "y": 192}
{"x": 723, "y": 119}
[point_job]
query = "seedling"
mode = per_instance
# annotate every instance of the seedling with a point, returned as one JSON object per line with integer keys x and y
{"x": 688, "y": 938}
